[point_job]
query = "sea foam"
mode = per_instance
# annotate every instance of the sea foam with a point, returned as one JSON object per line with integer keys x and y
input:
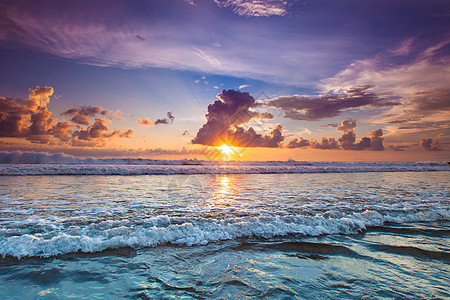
{"x": 59, "y": 239}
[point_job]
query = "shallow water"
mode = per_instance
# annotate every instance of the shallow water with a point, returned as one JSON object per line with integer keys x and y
{"x": 308, "y": 236}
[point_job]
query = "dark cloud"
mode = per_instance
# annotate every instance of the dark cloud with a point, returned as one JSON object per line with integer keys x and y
{"x": 346, "y": 141}
{"x": 92, "y": 132}
{"x": 429, "y": 145}
{"x": 81, "y": 115}
{"x": 346, "y": 126}
{"x": 299, "y": 107}
{"x": 140, "y": 37}
{"x": 325, "y": 144}
{"x": 12, "y": 118}
{"x": 433, "y": 101}
{"x": 425, "y": 126}
{"x": 397, "y": 148}
{"x": 170, "y": 116}
{"x": 31, "y": 120}
{"x": 376, "y": 140}
{"x": 166, "y": 120}
{"x": 61, "y": 131}
{"x": 162, "y": 121}
{"x": 333, "y": 125}
{"x": 420, "y": 108}
{"x": 249, "y": 138}
{"x": 41, "y": 121}
{"x": 298, "y": 143}
{"x": 224, "y": 118}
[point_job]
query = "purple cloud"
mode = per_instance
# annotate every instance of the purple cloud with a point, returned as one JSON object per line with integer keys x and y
{"x": 429, "y": 145}
{"x": 166, "y": 120}
{"x": 299, "y": 107}
{"x": 224, "y": 118}
{"x": 346, "y": 141}
{"x": 81, "y": 115}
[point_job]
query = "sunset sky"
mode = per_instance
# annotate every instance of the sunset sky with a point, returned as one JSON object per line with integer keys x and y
{"x": 307, "y": 80}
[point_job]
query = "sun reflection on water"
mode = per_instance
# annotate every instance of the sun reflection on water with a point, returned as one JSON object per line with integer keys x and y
{"x": 224, "y": 187}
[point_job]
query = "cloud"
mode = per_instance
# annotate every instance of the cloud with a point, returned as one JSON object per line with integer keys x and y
{"x": 145, "y": 122}
{"x": 31, "y": 120}
{"x": 190, "y": 2}
{"x": 325, "y": 144}
{"x": 140, "y": 38}
{"x": 61, "y": 131}
{"x": 111, "y": 33}
{"x": 39, "y": 97}
{"x": 7, "y": 25}
{"x": 298, "y": 143}
{"x": 34, "y": 122}
{"x": 409, "y": 127}
{"x": 346, "y": 126}
{"x": 333, "y": 125}
{"x": 118, "y": 115}
{"x": 13, "y": 117}
{"x": 224, "y": 118}
{"x": 429, "y": 145}
{"x": 298, "y": 107}
{"x": 376, "y": 140}
{"x": 167, "y": 120}
{"x": 256, "y": 8}
{"x": 81, "y": 115}
{"x": 93, "y": 132}
{"x": 348, "y": 137}
{"x": 420, "y": 85}
{"x": 208, "y": 58}
{"x": 346, "y": 141}
{"x": 126, "y": 134}
{"x": 397, "y": 148}
{"x": 249, "y": 138}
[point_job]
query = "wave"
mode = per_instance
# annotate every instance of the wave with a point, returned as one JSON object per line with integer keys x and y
{"x": 33, "y": 163}
{"x": 331, "y": 167}
{"x": 195, "y": 231}
{"x": 414, "y": 251}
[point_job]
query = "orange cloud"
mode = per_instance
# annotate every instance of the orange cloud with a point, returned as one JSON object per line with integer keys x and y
{"x": 34, "y": 122}
{"x": 145, "y": 122}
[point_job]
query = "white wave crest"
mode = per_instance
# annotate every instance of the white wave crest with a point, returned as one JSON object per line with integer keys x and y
{"x": 163, "y": 230}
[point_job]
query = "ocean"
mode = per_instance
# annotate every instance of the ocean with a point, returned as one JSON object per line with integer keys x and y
{"x": 231, "y": 231}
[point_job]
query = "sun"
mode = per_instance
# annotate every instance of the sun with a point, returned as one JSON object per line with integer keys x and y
{"x": 226, "y": 151}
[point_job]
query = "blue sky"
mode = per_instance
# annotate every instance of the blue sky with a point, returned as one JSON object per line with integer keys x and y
{"x": 142, "y": 59}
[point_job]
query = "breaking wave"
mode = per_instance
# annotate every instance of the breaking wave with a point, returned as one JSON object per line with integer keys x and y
{"x": 55, "y": 238}
{"x": 31, "y": 163}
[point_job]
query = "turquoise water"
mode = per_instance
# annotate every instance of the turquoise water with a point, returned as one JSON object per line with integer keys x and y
{"x": 283, "y": 236}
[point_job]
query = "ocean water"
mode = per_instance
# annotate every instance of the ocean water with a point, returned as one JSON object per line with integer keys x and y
{"x": 202, "y": 235}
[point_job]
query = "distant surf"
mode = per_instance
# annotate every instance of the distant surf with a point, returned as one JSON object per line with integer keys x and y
{"x": 30, "y": 163}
